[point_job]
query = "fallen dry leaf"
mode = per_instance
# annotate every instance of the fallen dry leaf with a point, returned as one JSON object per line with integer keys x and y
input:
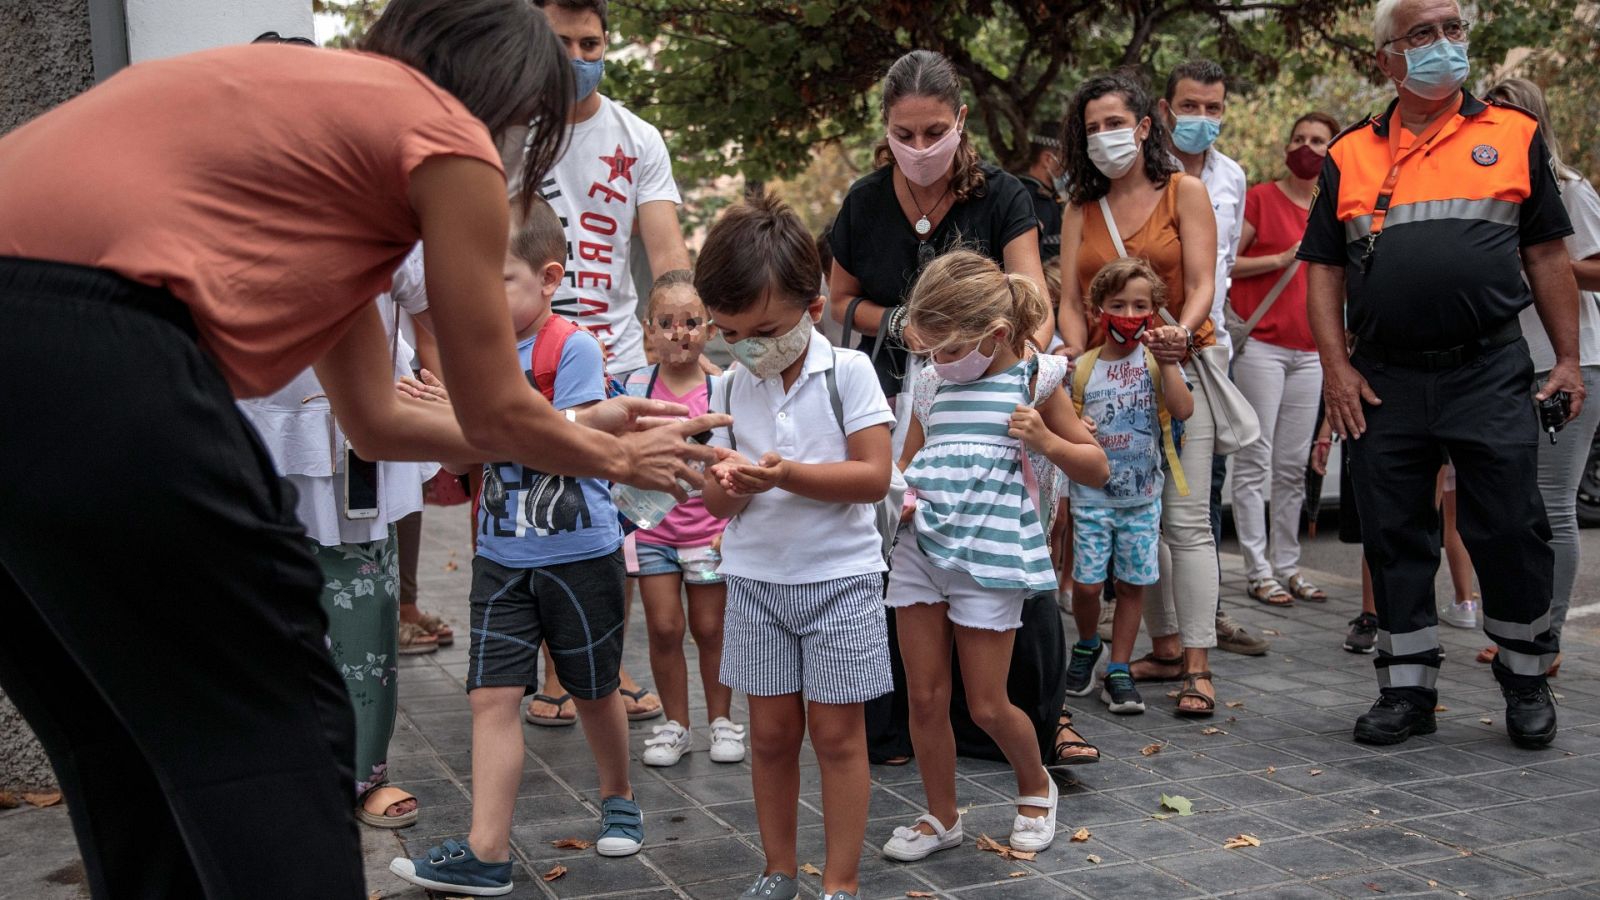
{"x": 1271, "y": 769}
{"x": 919, "y": 893}
{"x": 1234, "y": 704}
{"x": 1081, "y": 835}
{"x": 1017, "y": 875}
{"x": 450, "y": 566}
{"x": 1315, "y": 772}
{"x": 1093, "y": 858}
{"x": 1242, "y": 840}
{"x": 1373, "y": 811}
{"x": 1150, "y": 749}
{"x": 1432, "y": 883}
{"x": 41, "y": 800}
{"x": 555, "y": 872}
{"x": 1441, "y": 708}
{"x": 990, "y": 845}
{"x": 1373, "y": 886}
{"x": 9, "y": 800}
{"x": 572, "y": 844}
{"x": 1212, "y": 729}
{"x": 1232, "y": 719}
{"x": 1024, "y": 855}
{"x": 809, "y": 869}
{"x": 1487, "y": 721}
{"x": 1270, "y": 633}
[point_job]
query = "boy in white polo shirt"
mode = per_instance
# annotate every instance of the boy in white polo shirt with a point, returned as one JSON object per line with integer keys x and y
{"x": 804, "y": 632}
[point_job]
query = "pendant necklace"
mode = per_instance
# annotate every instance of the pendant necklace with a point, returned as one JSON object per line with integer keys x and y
{"x": 923, "y": 225}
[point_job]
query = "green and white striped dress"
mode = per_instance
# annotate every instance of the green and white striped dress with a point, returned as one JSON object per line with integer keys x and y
{"x": 973, "y": 510}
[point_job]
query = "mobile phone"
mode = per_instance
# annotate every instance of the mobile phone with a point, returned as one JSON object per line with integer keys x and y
{"x": 360, "y": 486}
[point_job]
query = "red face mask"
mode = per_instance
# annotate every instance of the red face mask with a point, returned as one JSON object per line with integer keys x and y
{"x": 1125, "y": 329}
{"x": 1304, "y": 162}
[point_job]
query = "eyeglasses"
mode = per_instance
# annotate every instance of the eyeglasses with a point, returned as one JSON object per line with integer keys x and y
{"x": 1454, "y": 31}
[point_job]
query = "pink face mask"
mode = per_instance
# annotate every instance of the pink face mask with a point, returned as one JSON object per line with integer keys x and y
{"x": 924, "y": 167}
{"x": 968, "y": 368}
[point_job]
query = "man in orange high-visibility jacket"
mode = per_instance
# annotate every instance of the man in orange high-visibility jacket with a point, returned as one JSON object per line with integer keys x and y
{"x": 1425, "y": 222}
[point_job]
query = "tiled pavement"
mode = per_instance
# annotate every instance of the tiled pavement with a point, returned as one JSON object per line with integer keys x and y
{"x": 1458, "y": 813}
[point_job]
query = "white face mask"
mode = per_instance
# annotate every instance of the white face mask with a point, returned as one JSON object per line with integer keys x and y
{"x": 1114, "y": 152}
{"x": 769, "y": 356}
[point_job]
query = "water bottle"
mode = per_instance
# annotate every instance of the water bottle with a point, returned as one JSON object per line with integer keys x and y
{"x": 645, "y": 508}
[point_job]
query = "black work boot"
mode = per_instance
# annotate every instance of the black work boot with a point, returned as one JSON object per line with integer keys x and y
{"x": 1393, "y": 719}
{"x": 1530, "y": 715}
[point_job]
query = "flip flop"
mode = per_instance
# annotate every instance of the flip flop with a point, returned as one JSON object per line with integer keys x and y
{"x": 638, "y": 697}
{"x": 415, "y": 640}
{"x": 435, "y": 626}
{"x": 387, "y": 796}
{"x": 555, "y": 721}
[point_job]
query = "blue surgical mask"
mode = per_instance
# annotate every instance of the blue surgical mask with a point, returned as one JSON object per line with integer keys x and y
{"x": 588, "y": 74}
{"x": 1436, "y": 71}
{"x": 1193, "y": 134}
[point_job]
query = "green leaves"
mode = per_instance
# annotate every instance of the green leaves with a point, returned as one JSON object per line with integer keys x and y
{"x": 1183, "y": 806}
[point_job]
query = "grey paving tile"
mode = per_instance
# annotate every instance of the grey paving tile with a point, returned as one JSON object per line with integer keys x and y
{"x": 1309, "y": 857}
{"x": 1376, "y": 883}
{"x": 1217, "y": 870}
{"x": 1150, "y": 839}
{"x": 1392, "y": 804}
{"x": 1460, "y": 793}
{"x": 1477, "y": 875}
{"x": 588, "y": 874}
{"x": 1565, "y": 860}
{"x": 1390, "y": 844}
{"x": 1247, "y": 790}
{"x": 1035, "y": 888}
{"x": 703, "y": 861}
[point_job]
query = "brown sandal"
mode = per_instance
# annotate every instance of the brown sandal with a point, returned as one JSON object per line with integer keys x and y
{"x": 435, "y": 626}
{"x": 1190, "y": 691}
{"x": 1270, "y": 592}
{"x": 415, "y": 640}
{"x": 1172, "y": 663}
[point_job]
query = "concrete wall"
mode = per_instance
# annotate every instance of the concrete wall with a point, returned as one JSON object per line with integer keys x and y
{"x": 45, "y": 58}
{"x": 158, "y": 28}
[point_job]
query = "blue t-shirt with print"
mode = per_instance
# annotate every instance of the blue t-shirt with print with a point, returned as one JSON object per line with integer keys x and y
{"x": 1121, "y": 398}
{"x": 527, "y": 518}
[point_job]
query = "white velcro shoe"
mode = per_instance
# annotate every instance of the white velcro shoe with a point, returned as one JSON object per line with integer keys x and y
{"x": 1036, "y": 833}
{"x": 727, "y": 741}
{"x": 670, "y": 743}
{"x": 909, "y": 845}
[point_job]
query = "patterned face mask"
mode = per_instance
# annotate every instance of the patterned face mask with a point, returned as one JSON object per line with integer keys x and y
{"x": 769, "y": 356}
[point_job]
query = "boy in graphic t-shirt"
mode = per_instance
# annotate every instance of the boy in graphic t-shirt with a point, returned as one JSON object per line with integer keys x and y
{"x": 613, "y": 181}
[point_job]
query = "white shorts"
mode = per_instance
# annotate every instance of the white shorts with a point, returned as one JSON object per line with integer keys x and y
{"x": 913, "y": 579}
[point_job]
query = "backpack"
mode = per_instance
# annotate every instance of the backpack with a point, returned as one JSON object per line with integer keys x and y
{"x": 1083, "y": 367}
{"x": 547, "y": 348}
{"x": 886, "y": 512}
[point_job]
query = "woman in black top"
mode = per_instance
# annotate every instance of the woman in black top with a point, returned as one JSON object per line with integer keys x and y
{"x": 929, "y": 193}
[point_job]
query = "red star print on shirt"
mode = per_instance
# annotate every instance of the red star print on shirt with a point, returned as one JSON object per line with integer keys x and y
{"x": 620, "y": 165}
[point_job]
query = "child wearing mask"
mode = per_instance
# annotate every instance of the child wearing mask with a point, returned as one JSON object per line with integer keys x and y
{"x": 807, "y": 461}
{"x": 977, "y": 547}
{"x": 548, "y": 568}
{"x": 679, "y": 556}
{"x": 1133, "y": 400}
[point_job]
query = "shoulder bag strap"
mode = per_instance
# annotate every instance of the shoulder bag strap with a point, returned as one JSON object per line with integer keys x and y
{"x": 1111, "y": 227}
{"x": 1271, "y": 298}
{"x": 850, "y": 326}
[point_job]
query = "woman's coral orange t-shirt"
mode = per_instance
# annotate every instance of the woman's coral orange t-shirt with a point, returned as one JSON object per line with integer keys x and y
{"x": 265, "y": 186}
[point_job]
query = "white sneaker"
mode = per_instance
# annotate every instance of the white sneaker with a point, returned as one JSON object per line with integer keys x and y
{"x": 1461, "y": 615}
{"x": 670, "y": 743}
{"x": 727, "y": 741}
{"x": 909, "y": 845}
{"x": 1032, "y": 833}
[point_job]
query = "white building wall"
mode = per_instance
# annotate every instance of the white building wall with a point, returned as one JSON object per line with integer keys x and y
{"x": 158, "y": 28}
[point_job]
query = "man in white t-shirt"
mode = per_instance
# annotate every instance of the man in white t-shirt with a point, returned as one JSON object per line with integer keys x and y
{"x": 613, "y": 181}
{"x": 1195, "y": 101}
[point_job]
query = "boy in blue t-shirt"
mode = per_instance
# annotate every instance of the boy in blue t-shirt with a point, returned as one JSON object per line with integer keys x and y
{"x": 549, "y": 568}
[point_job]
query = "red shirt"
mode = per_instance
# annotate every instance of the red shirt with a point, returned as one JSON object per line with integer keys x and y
{"x": 1279, "y": 224}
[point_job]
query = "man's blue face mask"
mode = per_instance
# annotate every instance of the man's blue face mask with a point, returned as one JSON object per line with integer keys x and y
{"x": 1437, "y": 70}
{"x": 1193, "y": 134}
{"x": 588, "y": 74}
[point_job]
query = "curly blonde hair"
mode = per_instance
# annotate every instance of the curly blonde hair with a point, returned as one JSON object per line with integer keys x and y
{"x": 963, "y": 296}
{"x": 1115, "y": 275}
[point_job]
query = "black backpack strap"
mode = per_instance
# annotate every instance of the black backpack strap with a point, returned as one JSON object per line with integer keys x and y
{"x": 727, "y": 404}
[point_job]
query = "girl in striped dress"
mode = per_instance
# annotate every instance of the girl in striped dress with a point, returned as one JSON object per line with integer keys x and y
{"x": 976, "y": 546}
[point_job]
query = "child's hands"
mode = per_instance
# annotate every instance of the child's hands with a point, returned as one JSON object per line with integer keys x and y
{"x": 1028, "y": 426}
{"x": 771, "y": 472}
{"x": 429, "y": 388}
{"x": 727, "y": 462}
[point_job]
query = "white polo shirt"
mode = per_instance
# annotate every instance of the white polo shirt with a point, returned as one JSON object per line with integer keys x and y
{"x": 783, "y": 538}
{"x": 1225, "y": 182}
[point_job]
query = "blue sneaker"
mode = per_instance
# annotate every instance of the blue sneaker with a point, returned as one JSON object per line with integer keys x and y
{"x": 453, "y": 869}
{"x": 621, "y": 828}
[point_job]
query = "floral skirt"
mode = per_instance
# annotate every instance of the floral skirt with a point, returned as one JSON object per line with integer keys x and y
{"x": 360, "y": 593}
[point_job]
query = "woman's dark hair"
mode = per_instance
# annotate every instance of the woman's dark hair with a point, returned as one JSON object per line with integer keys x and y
{"x": 598, "y": 7}
{"x": 1086, "y": 183}
{"x": 1319, "y": 117}
{"x": 757, "y": 248}
{"x": 499, "y": 58}
{"x": 924, "y": 73}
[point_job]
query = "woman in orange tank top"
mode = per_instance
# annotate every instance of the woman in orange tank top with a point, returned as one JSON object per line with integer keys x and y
{"x": 1127, "y": 188}
{"x": 202, "y": 228}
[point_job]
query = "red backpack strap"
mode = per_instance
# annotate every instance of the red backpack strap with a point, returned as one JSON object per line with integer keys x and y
{"x": 547, "y": 347}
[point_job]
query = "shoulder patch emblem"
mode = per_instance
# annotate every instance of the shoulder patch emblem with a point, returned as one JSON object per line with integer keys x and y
{"x": 1485, "y": 155}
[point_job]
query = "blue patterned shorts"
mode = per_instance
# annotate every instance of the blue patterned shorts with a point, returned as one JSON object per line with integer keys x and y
{"x": 1125, "y": 539}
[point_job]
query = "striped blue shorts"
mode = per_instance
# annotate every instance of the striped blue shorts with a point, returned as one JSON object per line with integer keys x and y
{"x": 825, "y": 640}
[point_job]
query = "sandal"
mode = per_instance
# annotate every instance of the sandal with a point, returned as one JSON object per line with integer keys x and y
{"x": 435, "y": 626}
{"x": 1269, "y": 591}
{"x": 1191, "y": 691}
{"x": 388, "y": 797}
{"x": 1063, "y": 754}
{"x": 1172, "y": 664}
{"x": 415, "y": 640}
{"x": 640, "y": 715}
{"x": 555, "y": 721}
{"x": 1302, "y": 589}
